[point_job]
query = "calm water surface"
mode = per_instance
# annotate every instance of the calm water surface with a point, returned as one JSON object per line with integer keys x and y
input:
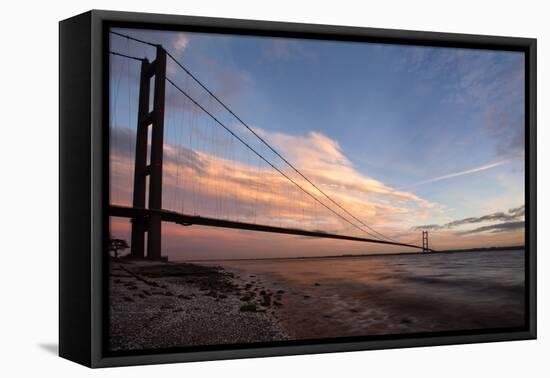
{"x": 353, "y": 296}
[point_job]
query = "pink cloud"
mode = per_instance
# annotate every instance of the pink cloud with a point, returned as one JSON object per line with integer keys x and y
{"x": 204, "y": 184}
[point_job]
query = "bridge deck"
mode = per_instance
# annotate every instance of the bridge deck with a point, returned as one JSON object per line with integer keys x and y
{"x": 188, "y": 220}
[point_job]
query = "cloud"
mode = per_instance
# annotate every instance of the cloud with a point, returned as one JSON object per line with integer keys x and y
{"x": 171, "y": 40}
{"x": 507, "y": 129}
{"x": 322, "y": 158}
{"x": 204, "y": 182}
{"x": 429, "y": 227}
{"x": 212, "y": 184}
{"x": 287, "y": 49}
{"x": 518, "y": 211}
{"x": 279, "y": 48}
{"x": 462, "y": 173}
{"x": 500, "y": 227}
{"x": 180, "y": 42}
{"x": 491, "y": 82}
{"x": 122, "y": 141}
{"x": 510, "y": 216}
{"x": 225, "y": 81}
{"x": 176, "y": 44}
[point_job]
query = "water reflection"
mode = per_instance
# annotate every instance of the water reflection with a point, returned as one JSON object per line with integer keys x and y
{"x": 353, "y": 296}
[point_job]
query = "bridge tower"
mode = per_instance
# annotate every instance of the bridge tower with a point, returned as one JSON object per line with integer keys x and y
{"x": 148, "y": 158}
{"x": 425, "y": 244}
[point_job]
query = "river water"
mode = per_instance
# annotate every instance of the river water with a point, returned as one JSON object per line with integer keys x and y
{"x": 392, "y": 294}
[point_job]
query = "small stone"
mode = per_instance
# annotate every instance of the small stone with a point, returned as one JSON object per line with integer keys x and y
{"x": 128, "y": 299}
{"x": 248, "y": 308}
{"x": 266, "y": 301}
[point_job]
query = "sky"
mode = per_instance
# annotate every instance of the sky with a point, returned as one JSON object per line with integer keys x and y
{"x": 406, "y": 138}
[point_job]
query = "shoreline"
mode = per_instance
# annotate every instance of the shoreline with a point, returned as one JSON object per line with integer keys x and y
{"x": 343, "y": 297}
{"x": 162, "y": 304}
{"x": 167, "y": 304}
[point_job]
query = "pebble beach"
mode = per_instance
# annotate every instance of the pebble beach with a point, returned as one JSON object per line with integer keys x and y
{"x": 163, "y": 305}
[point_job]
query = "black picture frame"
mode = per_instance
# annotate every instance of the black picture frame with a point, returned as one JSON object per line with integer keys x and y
{"x": 83, "y": 143}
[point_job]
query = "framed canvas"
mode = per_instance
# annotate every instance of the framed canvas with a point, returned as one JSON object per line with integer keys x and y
{"x": 234, "y": 188}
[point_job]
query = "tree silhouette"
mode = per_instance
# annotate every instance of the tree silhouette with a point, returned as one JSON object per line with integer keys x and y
{"x": 116, "y": 245}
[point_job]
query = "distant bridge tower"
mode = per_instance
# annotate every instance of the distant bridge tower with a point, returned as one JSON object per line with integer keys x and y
{"x": 425, "y": 244}
{"x": 148, "y": 158}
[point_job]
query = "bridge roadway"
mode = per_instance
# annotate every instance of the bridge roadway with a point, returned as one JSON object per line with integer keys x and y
{"x": 188, "y": 220}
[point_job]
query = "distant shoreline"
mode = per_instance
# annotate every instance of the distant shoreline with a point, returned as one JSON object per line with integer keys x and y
{"x": 486, "y": 249}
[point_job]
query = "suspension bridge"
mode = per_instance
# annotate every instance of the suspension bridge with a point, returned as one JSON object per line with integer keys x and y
{"x": 212, "y": 169}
